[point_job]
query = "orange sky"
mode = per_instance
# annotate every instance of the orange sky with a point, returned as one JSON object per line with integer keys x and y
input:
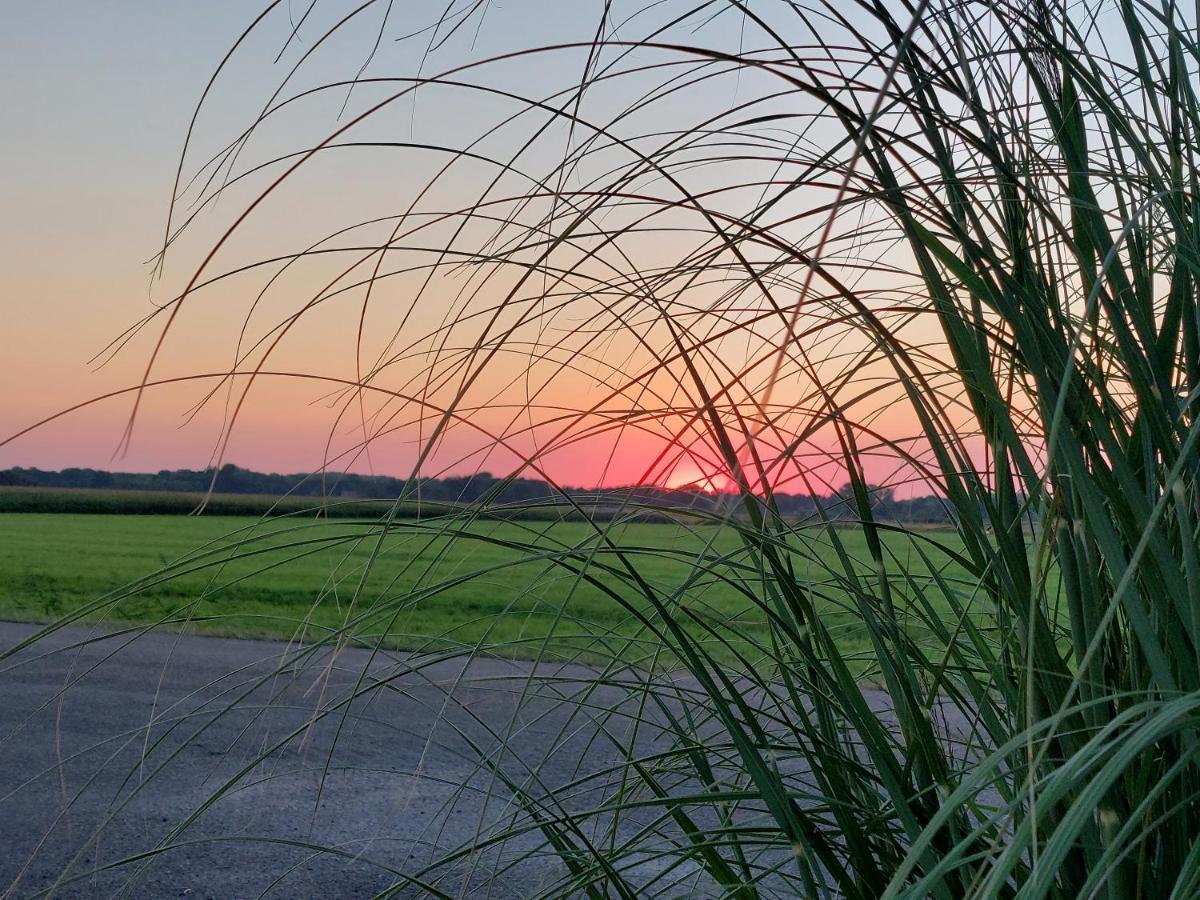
{"x": 99, "y": 101}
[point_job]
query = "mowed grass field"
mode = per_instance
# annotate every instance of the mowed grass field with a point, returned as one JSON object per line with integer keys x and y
{"x": 511, "y": 587}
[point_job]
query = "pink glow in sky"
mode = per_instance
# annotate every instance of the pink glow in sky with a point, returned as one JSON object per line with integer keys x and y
{"x": 98, "y": 99}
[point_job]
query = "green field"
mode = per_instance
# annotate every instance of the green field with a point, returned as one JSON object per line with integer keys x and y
{"x": 502, "y": 584}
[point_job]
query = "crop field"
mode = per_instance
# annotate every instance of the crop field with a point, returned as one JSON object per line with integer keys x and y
{"x": 105, "y": 501}
{"x": 100, "y": 501}
{"x": 97, "y": 501}
{"x": 509, "y": 587}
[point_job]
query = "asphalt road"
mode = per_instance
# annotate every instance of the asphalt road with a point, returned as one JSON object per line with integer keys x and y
{"x": 219, "y": 768}
{"x": 108, "y": 746}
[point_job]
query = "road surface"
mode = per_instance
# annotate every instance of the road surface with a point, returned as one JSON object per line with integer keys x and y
{"x": 209, "y": 767}
{"x": 108, "y": 744}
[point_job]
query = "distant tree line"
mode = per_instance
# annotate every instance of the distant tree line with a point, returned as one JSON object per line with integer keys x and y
{"x": 231, "y": 479}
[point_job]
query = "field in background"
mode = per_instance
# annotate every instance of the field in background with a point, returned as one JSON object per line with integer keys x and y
{"x": 105, "y": 501}
{"x": 297, "y": 577}
{"x": 127, "y": 502}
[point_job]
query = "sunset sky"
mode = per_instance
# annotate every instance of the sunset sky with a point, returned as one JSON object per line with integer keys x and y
{"x": 98, "y": 98}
